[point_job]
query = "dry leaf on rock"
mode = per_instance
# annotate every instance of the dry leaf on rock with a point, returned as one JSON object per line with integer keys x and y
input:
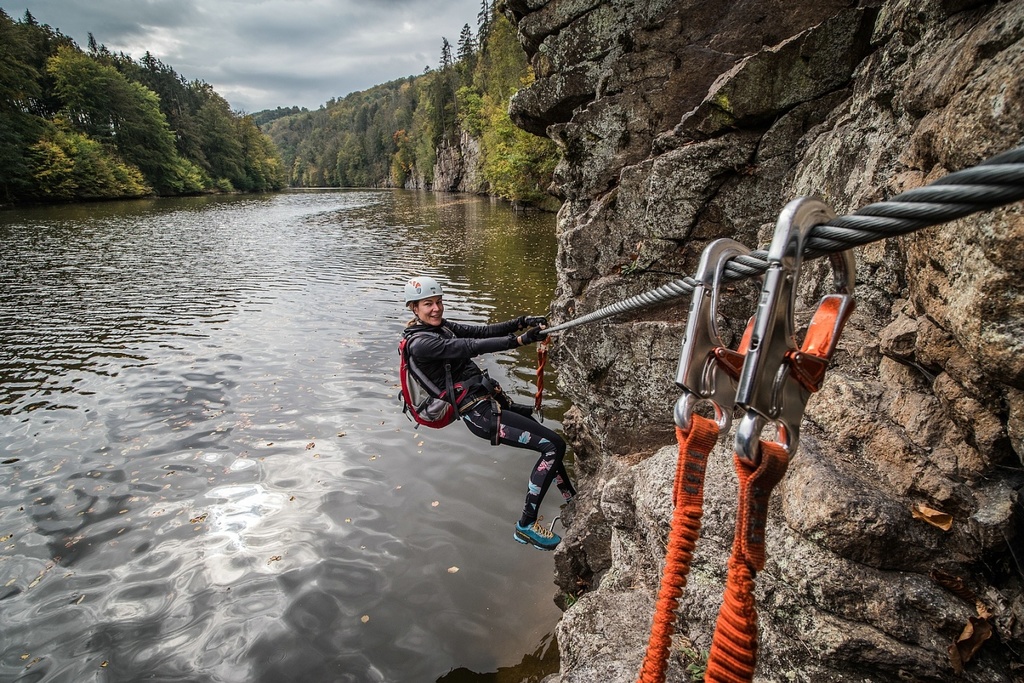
{"x": 934, "y": 517}
{"x": 452, "y": 570}
{"x": 954, "y": 584}
{"x": 976, "y": 632}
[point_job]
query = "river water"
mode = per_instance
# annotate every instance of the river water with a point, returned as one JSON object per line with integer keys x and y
{"x": 206, "y": 475}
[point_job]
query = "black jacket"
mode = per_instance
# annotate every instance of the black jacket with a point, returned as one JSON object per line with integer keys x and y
{"x": 454, "y": 343}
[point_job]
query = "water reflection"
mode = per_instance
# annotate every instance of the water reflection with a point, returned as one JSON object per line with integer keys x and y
{"x": 206, "y": 473}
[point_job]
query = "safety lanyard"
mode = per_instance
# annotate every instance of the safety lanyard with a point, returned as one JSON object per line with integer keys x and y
{"x": 542, "y": 359}
{"x": 769, "y": 377}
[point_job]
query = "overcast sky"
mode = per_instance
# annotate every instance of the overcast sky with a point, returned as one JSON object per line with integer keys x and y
{"x": 262, "y": 54}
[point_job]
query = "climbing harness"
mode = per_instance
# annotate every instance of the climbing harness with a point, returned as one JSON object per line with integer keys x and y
{"x": 770, "y": 378}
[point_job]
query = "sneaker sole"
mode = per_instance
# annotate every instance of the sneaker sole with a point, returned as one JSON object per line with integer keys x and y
{"x": 527, "y": 541}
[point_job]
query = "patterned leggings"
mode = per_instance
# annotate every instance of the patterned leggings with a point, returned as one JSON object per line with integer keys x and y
{"x": 518, "y": 428}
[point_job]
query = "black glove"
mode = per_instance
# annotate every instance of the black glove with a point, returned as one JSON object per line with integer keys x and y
{"x": 534, "y": 334}
{"x": 530, "y": 321}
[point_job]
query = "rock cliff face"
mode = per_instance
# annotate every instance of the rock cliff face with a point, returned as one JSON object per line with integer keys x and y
{"x": 681, "y": 122}
{"x": 459, "y": 167}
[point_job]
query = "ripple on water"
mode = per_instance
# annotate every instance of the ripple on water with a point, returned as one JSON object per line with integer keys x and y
{"x": 210, "y": 478}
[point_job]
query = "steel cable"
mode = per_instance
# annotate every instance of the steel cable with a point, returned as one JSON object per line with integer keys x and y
{"x": 992, "y": 183}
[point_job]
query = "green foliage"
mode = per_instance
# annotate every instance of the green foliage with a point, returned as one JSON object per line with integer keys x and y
{"x": 517, "y": 165}
{"x": 391, "y": 132}
{"x": 349, "y": 142}
{"x": 77, "y": 125}
{"x": 695, "y": 661}
{"x": 502, "y": 64}
{"x": 471, "y": 114}
{"x": 52, "y": 170}
{"x": 264, "y": 117}
{"x": 66, "y": 164}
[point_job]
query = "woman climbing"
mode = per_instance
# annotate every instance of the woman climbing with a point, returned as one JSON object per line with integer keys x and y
{"x": 442, "y": 350}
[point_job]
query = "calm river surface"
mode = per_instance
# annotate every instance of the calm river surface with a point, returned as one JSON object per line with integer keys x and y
{"x": 206, "y": 475}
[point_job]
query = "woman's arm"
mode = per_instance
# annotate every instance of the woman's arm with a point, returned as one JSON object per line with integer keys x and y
{"x": 442, "y": 347}
{"x": 484, "y": 331}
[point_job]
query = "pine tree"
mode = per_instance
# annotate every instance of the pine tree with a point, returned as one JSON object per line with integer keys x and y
{"x": 466, "y": 46}
{"x": 446, "y": 54}
{"x": 484, "y": 22}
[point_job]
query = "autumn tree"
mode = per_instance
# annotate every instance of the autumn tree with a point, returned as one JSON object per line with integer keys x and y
{"x": 85, "y": 125}
{"x": 391, "y": 132}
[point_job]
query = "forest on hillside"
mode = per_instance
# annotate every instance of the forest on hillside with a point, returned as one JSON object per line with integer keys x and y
{"x": 77, "y": 125}
{"x": 390, "y": 133}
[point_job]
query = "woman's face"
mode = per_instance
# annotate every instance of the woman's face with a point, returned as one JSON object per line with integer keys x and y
{"x": 429, "y": 310}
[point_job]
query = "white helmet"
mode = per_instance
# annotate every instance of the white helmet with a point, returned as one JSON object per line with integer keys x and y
{"x": 421, "y": 288}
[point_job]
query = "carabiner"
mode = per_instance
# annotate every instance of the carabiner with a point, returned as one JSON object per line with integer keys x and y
{"x": 778, "y": 376}
{"x": 707, "y": 369}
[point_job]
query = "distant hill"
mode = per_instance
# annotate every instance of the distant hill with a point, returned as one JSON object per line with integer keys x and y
{"x": 267, "y": 115}
{"x": 392, "y": 134}
{"x": 78, "y": 125}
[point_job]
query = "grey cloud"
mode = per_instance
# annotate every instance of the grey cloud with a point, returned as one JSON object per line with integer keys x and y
{"x": 270, "y": 53}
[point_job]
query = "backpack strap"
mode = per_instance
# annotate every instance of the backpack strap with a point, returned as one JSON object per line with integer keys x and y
{"x": 422, "y": 376}
{"x": 450, "y": 386}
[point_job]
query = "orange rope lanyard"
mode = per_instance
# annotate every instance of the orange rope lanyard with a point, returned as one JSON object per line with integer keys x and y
{"x": 688, "y": 496}
{"x": 542, "y": 359}
{"x": 760, "y": 465}
{"x": 733, "y": 654}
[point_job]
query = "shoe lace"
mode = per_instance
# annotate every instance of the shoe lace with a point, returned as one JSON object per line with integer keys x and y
{"x": 541, "y": 530}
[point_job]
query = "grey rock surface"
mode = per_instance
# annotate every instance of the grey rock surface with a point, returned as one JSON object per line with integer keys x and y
{"x": 681, "y": 122}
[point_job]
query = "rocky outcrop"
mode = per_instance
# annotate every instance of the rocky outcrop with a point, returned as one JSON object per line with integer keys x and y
{"x": 681, "y": 122}
{"x": 459, "y": 167}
